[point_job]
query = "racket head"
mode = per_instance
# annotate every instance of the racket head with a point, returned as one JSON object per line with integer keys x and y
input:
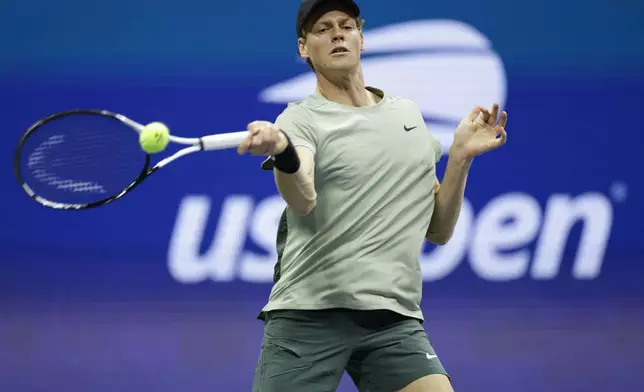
{"x": 79, "y": 159}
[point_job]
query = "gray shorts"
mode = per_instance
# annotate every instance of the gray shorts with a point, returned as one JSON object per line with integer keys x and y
{"x": 310, "y": 350}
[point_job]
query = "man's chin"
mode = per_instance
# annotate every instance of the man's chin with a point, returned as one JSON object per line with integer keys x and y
{"x": 341, "y": 64}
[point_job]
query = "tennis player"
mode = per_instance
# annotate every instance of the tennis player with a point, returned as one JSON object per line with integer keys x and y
{"x": 356, "y": 167}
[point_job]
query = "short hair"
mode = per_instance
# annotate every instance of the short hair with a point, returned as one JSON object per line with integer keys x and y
{"x": 359, "y": 23}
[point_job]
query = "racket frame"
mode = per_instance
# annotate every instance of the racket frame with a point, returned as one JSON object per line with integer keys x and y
{"x": 205, "y": 143}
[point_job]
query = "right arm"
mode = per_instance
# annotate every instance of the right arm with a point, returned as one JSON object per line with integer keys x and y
{"x": 297, "y": 188}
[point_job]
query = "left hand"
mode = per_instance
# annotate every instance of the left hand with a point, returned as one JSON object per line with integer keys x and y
{"x": 479, "y": 132}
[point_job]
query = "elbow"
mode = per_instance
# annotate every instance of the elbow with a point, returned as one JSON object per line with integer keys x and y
{"x": 303, "y": 209}
{"x": 439, "y": 238}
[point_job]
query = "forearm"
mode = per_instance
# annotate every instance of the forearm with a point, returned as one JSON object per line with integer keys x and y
{"x": 448, "y": 200}
{"x": 298, "y": 189}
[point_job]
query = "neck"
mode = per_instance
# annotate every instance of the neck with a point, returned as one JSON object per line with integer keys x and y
{"x": 346, "y": 89}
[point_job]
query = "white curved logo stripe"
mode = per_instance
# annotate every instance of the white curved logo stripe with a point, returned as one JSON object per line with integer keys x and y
{"x": 424, "y": 34}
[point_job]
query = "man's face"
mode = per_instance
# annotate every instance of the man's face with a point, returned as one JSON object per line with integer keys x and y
{"x": 333, "y": 42}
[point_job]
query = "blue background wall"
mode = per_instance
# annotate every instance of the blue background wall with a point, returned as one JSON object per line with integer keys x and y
{"x": 527, "y": 297}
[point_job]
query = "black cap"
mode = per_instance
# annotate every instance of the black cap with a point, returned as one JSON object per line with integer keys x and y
{"x": 307, "y": 7}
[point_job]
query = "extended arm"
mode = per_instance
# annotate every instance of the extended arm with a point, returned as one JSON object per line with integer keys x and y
{"x": 298, "y": 189}
{"x": 294, "y": 167}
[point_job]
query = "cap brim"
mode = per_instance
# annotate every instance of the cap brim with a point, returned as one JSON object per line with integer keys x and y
{"x": 316, "y": 7}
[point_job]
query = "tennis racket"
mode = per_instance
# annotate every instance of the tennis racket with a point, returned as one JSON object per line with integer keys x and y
{"x": 81, "y": 159}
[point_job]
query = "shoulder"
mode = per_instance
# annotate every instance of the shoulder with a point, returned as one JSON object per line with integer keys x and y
{"x": 407, "y": 107}
{"x": 404, "y": 102}
{"x": 298, "y": 112}
{"x": 298, "y": 123}
{"x": 293, "y": 109}
{"x": 404, "y": 107}
{"x": 398, "y": 101}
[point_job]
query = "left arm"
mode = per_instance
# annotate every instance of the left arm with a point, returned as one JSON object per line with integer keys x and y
{"x": 475, "y": 135}
{"x": 448, "y": 200}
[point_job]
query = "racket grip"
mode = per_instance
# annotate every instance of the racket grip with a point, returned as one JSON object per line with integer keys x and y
{"x": 223, "y": 140}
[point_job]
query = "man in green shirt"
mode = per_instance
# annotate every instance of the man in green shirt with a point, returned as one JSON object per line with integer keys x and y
{"x": 356, "y": 167}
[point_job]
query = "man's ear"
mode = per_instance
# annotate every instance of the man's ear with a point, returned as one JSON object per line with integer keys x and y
{"x": 301, "y": 44}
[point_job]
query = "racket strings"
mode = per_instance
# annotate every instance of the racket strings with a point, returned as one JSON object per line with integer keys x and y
{"x": 81, "y": 159}
{"x": 37, "y": 163}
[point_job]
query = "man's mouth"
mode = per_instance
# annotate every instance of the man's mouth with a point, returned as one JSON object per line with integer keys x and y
{"x": 340, "y": 50}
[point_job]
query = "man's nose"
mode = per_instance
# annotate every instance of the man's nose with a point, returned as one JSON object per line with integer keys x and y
{"x": 338, "y": 34}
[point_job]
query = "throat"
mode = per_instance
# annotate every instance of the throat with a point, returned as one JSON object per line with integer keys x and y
{"x": 345, "y": 88}
{"x": 350, "y": 94}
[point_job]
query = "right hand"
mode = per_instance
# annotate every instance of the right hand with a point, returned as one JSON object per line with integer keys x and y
{"x": 265, "y": 138}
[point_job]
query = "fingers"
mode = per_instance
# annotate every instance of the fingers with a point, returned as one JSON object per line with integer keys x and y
{"x": 259, "y": 142}
{"x": 244, "y": 145}
{"x": 474, "y": 113}
{"x": 262, "y": 139}
{"x": 504, "y": 119}
{"x": 501, "y": 134}
{"x": 499, "y": 141}
{"x": 483, "y": 117}
{"x": 504, "y": 136}
{"x": 494, "y": 115}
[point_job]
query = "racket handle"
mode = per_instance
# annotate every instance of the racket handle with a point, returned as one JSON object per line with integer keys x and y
{"x": 223, "y": 140}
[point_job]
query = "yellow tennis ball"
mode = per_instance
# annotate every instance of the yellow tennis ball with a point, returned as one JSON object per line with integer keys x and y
{"x": 154, "y": 137}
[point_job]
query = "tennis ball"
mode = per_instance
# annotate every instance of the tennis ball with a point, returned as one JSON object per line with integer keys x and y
{"x": 154, "y": 137}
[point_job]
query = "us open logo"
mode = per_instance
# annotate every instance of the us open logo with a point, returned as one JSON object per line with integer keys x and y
{"x": 446, "y": 67}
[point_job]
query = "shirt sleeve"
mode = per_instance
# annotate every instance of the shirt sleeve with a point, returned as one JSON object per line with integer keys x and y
{"x": 296, "y": 123}
{"x": 438, "y": 149}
